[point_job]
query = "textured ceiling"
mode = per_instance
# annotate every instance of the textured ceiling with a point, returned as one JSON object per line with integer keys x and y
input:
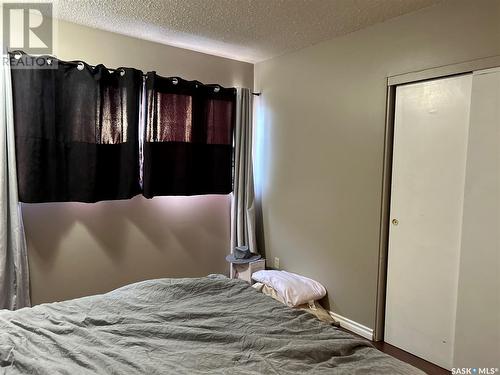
{"x": 247, "y": 30}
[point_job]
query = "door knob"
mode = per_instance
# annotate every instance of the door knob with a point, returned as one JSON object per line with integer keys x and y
{"x": 395, "y": 221}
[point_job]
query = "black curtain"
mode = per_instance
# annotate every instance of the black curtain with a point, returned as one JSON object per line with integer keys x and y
{"x": 188, "y": 137}
{"x": 76, "y": 130}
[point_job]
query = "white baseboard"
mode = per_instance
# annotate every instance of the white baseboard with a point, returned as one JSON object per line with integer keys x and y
{"x": 353, "y": 326}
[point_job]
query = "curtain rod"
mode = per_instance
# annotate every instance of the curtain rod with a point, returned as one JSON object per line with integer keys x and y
{"x": 79, "y": 63}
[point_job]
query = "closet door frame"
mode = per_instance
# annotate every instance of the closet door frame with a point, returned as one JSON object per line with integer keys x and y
{"x": 392, "y": 83}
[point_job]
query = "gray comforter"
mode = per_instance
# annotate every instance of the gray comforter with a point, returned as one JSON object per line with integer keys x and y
{"x": 181, "y": 326}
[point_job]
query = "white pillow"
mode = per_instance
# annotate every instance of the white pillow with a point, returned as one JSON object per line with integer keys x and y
{"x": 294, "y": 289}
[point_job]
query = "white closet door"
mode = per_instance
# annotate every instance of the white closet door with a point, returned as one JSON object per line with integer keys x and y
{"x": 428, "y": 177}
{"x": 477, "y": 337}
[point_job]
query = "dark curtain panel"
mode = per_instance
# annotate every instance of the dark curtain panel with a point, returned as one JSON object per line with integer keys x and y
{"x": 76, "y": 132}
{"x": 188, "y": 138}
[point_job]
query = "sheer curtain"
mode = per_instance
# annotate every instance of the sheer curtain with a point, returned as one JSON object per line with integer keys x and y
{"x": 14, "y": 273}
{"x": 243, "y": 200}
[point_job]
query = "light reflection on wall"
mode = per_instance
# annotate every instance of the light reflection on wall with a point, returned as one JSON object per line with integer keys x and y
{"x": 261, "y": 146}
{"x": 78, "y": 249}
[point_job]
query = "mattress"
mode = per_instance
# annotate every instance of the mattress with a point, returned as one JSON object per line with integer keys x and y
{"x": 182, "y": 326}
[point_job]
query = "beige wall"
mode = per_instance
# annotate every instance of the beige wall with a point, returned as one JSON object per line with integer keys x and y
{"x": 320, "y": 141}
{"x": 96, "y": 46}
{"x": 80, "y": 249}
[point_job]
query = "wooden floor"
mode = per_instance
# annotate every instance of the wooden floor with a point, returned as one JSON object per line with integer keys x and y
{"x": 420, "y": 363}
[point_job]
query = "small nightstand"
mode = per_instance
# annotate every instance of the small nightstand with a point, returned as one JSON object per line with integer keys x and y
{"x": 245, "y": 271}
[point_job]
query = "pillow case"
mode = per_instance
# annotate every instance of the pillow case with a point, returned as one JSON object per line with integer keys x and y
{"x": 294, "y": 289}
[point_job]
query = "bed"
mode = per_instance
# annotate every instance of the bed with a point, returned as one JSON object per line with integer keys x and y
{"x": 182, "y": 326}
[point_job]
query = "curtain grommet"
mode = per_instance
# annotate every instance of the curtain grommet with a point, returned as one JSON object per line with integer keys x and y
{"x": 175, "y": 81}
{"x": 122, "y": 72}
{"x": 216, "y": 89}
{"x": 80, "y": 66}
{"x": 17, "y": 56}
